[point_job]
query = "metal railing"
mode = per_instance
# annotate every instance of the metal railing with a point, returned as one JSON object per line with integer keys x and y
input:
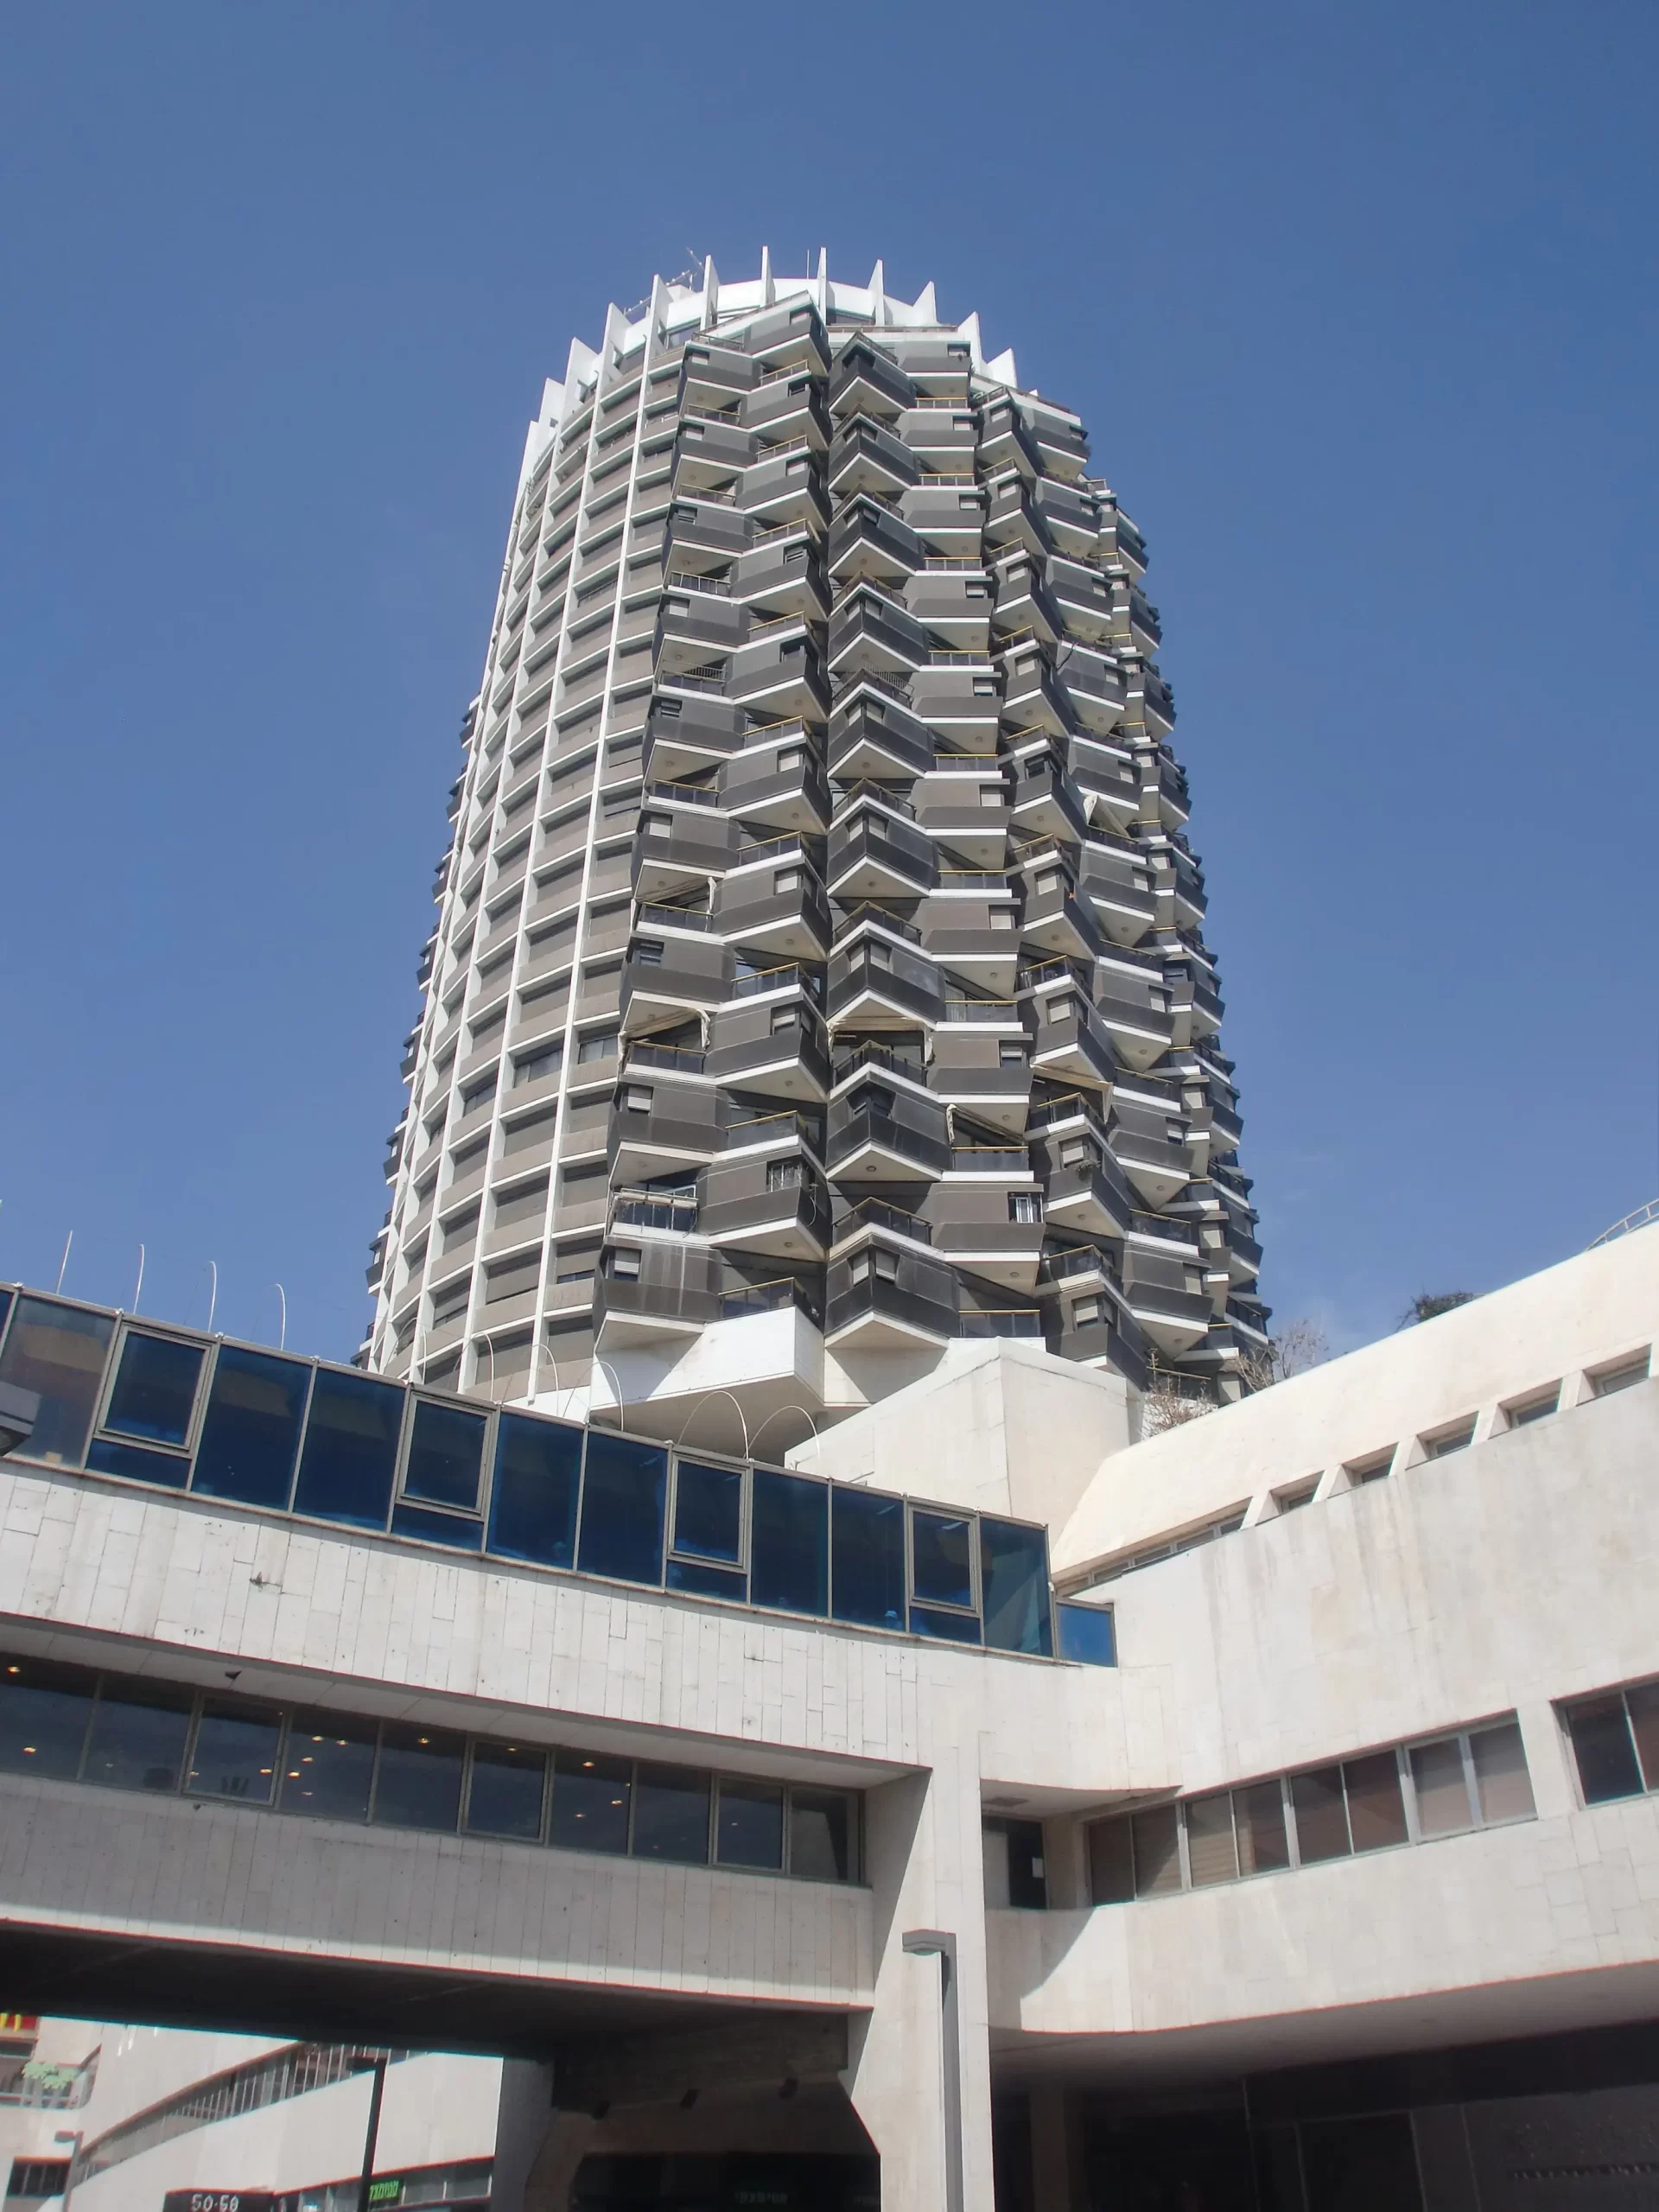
{"x": 1639, "y": 1219}
{"x": 682, "y": 580}
{"x": 684, "y": 794}
{"x": 1007, "y": 1321}
{"x": 684, "y": 1058}
{"x": 876, "y": 1213}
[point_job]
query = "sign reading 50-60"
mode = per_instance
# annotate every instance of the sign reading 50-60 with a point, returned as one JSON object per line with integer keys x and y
{"x": 217, "y": 2200}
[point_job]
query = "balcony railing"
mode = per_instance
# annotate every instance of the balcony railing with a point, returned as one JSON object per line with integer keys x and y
{"x": 876, "y": 1213}
{"x": 1007, "y": 1321}
{"x": 683, "y": 1059}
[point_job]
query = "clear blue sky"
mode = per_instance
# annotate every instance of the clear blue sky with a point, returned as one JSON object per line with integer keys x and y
{"x": 1359, "y": 303}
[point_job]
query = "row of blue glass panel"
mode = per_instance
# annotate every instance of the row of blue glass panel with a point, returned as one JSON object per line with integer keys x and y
{"x": 71, "y": 1724}
{"x": 261, "y": 1430}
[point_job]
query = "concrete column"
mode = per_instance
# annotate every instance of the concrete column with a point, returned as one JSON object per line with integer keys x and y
{"x": 1057, "y": 2169}
{"x": 563, "y": 2148}
{"x": 924, "y": 1858}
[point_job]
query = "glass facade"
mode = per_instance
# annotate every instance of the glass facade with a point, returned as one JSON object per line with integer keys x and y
{"x": 285, "y": 1435}
{"x": 75, "y": 1723}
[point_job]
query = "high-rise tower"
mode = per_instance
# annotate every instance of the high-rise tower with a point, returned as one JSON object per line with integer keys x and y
{"x": 819, "y": 974}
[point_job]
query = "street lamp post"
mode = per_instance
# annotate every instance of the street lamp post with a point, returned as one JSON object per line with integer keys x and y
{"x": 75, "y": 2137}
{"x": 377, "y": 2066}
{"x": 938, "y": 1942}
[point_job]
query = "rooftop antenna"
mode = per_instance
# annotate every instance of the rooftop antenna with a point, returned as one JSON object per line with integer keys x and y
{"x": 64, "y": 1263}
{"x": 282, "y": 1301}
{"x": 212, "y": 1295}
{"x": 137, "y": 1288}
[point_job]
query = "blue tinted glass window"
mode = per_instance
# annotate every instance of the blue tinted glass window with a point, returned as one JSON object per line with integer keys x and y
{"x": 59, "y": 1352}
{"x": 417, "y": 1783}
{"x": 749, "y": 1825}
{"x": 946, "y": 1628}
{"x": 820, "y": 1835}
{"x": 707, "y": 1511}
{"x": 155, "y": 1391}
{"x": 138, "y": 1736}
{"x": 697, "y": 1581}
{"x": 789, "y": 1543}
{"x": 105, "y": 1456}
{"x": 44, "y": 1709}
{"x": 591, "y": 1795}
{"x": 329, "y": 1765}
{"x": 624, "y": 1487}
{"x": 351, "y": 1449}
{"x": 5, "y": 1309}
{"x": 235, "y": 1751}
{"x": 868, "y": 1533}
{"x": 1087, "y": 1635}
{"x": 251, "y": 1431}
{"x": 509, "y": 1782}
{"x": 446, "y": 1455}
{"x": 1014, "y": 1588}
{"x": 670, "y": 1815}
{"x": 533, "y": 1497}
{"x": 452, "y": 1529}
{"x": 941, "y": 1550}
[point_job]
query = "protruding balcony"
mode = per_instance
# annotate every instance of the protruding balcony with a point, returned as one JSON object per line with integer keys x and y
{"x": 704, "y": 535}
{"x": 1005, "y": 441}
{"x": 1025, "y": 606}
{"x": 1107, "y": 782}
{"x": 1060, "y": 442}
{"x": 940, "y": 437}
{"x": 774, "y": 1202}
{"x": 871, "y": 633}
{"x": 777, "y": 785}
{"x": 875, "y": 736}
{"x": 1132, "y": 1006}
{"x": 868, "y": 540}
{"x": 959, "y": 700}
{"x": 1085, "y": 1189}
{"x": 993, "y": 1229}
{"x": 1056, "y": 919}
{"x": 1071, "y": 516}
{"x": 712, "y": 376}
{"x": 876, "y": 983}
{"x": 673, "y": 971}
{"x": 1031, "y": 699}
{"x": 864, "y": 381}
{"x": 953, "y": 605}
{"x": 875, "y": 852}
{"x": 785, "y": 408}
{"x": 967, "y": 810}
{"x": 886, "y": 1298}
{"x": 1044, "y": 804}
{"x": 686, "y": 735}
{"x": 790, "y": 336}
{"x": 1013, "y": 518}
{"x": 1114, "y": 876}
{"x": 973, "y": 933}
{"x": 772, "y": 901}
{"x": 1150, "y": 1149}
{"x": 1091, "y": 684}
{"x": 1120, "y": 544}
{"x": 653, "y": 1292}
{"x": 866, "y": 458}
{"x": 709, "y": 456}
{"x": 679, "y": 845}
{"x": 983, "y": 1073}
{"x": 784, "y": 487}
{"x": 1070, "y": 1041}
{"x": 780, "y": 677}
{"x": 881, "y": 1132}
{"x": 768, "y": 1041}
{"x": 696, "y": 621}
{"x": 1149, "y": 704}
{"x": 781, "y": 574}
{"x": 1084, "y": 600}
{"x": 661, "y": 1125}
{"x": 1167, "y": 1298}
{"x": 948, "y": 517}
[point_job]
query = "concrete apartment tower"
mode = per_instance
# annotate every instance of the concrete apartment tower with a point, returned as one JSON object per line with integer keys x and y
{"x": 819, "y": 975}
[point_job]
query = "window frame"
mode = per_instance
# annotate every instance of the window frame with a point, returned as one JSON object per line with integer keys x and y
{"x": 131, "y": 1325}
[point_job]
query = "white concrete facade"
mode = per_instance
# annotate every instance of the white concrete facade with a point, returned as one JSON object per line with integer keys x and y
{"x": 1507, "y": 1578}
